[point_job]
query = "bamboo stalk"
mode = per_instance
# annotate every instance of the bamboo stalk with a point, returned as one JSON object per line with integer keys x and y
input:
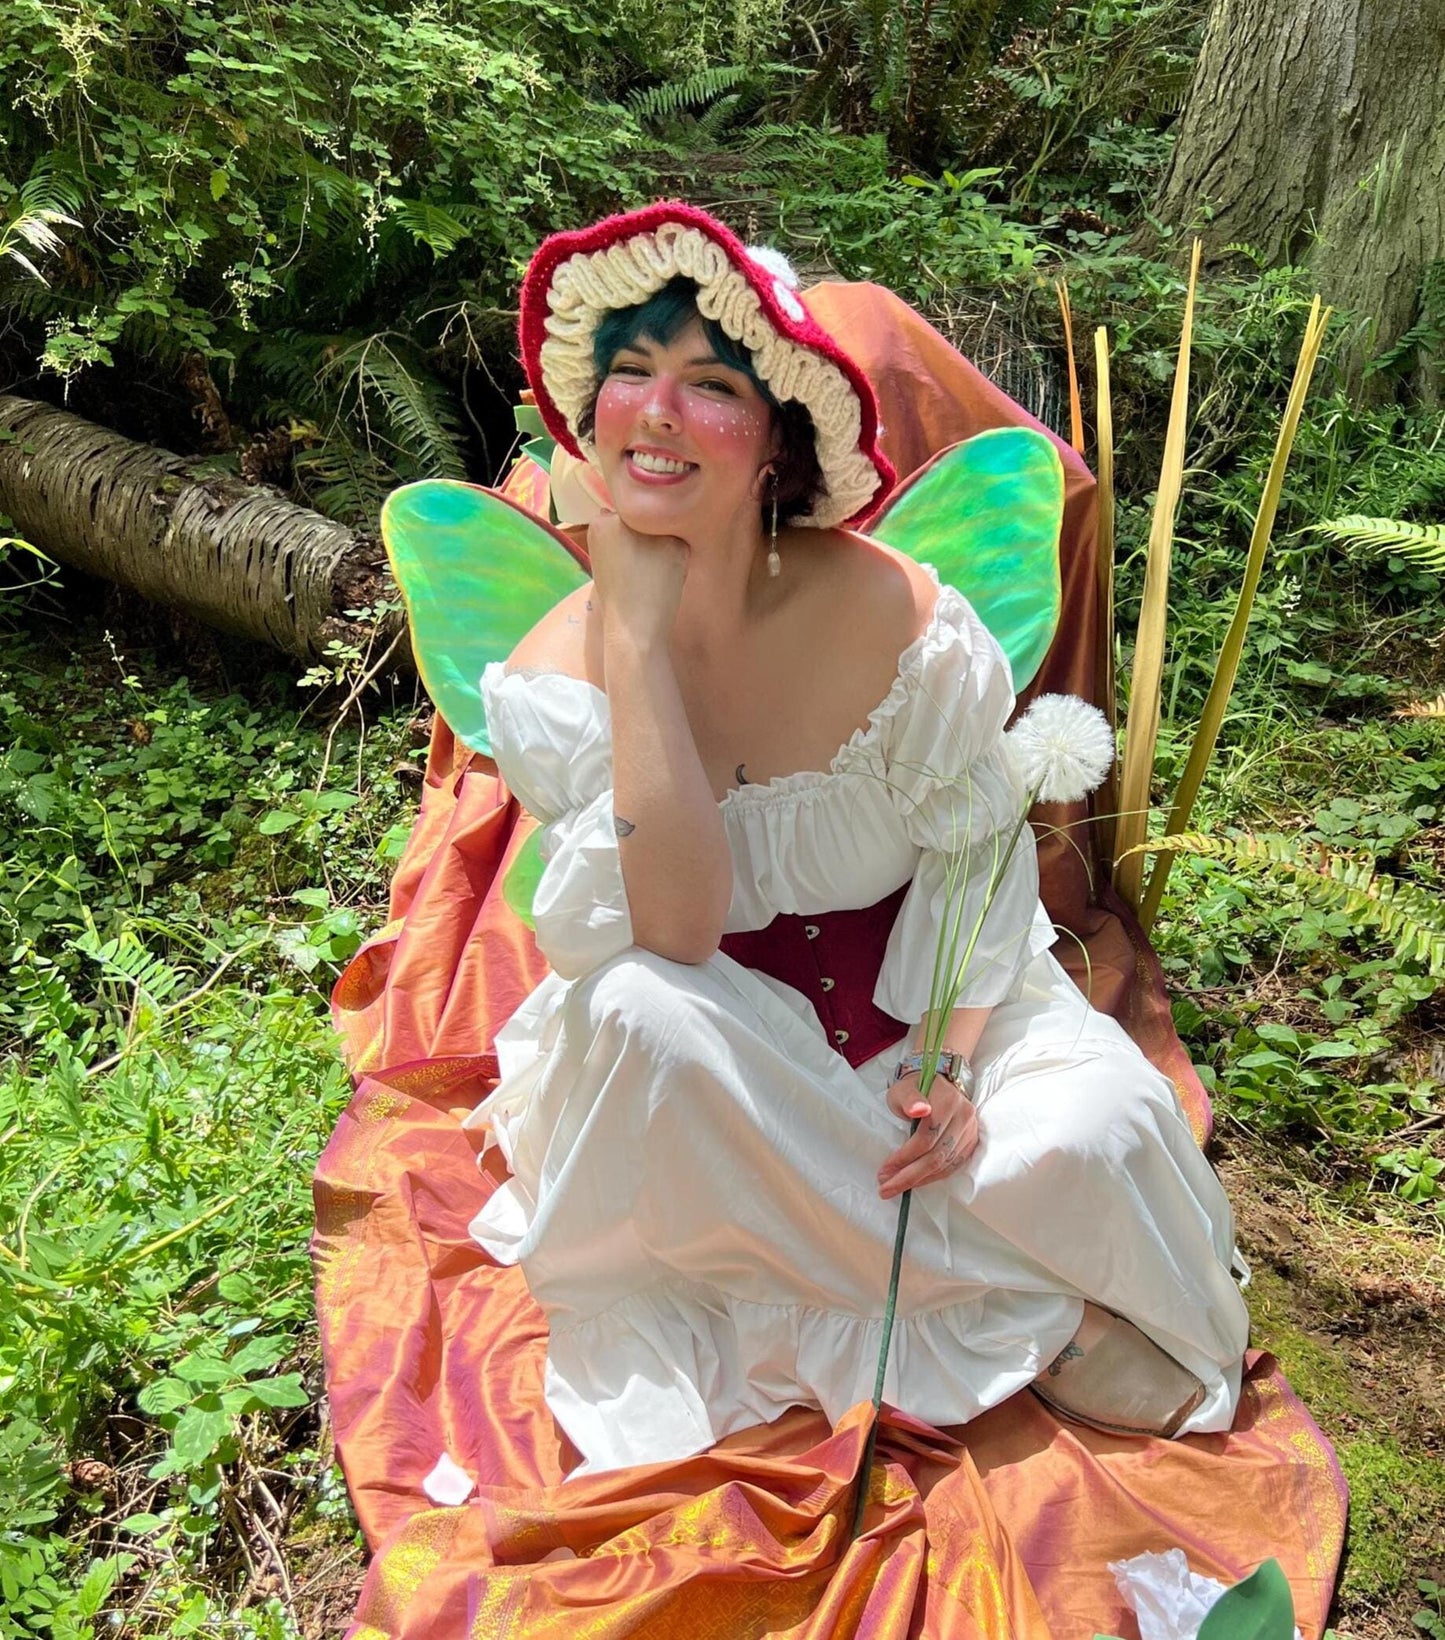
{"x": 1106, "y": 804}
{"x": 1211, "y": 718}
{"x": 1142, "y": 727}
{"x": 1076, "y": 409}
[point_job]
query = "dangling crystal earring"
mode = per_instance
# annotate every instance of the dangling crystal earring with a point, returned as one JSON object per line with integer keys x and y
{"x": 775, "y": 563}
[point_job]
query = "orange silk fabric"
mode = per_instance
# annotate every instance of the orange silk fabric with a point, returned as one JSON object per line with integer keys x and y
{"x": 1001, "y": 1529}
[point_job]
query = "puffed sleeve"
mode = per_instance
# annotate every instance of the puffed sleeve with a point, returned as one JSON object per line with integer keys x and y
{"x": 551, "y": 737}
{"x": 960, "y": 799}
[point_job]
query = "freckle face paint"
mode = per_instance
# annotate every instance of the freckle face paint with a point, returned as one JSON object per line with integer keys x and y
{"x": 618, "y": 404}
{"x": 704, "y": 428}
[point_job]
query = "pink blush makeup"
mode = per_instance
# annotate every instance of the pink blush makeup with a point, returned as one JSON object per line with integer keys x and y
{"x": 718, "y": 427}
{"x": 618, "y": 404}
{"x": 705, "y": 423}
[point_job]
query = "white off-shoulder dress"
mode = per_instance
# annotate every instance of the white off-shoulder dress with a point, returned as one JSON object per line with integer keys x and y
{"x": 693, "y": 1197}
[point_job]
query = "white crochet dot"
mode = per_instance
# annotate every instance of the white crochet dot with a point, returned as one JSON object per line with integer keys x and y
{"x": 788, "y": 302}
{"x": 776, "y": 263}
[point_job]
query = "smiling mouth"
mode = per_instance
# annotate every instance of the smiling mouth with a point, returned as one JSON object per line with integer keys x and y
{"x": 647, "y": 462}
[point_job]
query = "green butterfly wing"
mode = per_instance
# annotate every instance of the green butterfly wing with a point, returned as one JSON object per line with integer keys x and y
{"x": 986, "y": 514}
{"x": 476, "y": 574}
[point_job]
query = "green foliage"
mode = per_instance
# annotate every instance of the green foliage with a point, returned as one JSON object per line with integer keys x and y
{"x": 166, "y": 1076}
{"x": 1425, "y": 339}
{"x": 1430, "y": 1619}
{"x": 328, "y": 206}
{"x": 1409, "y": 918}
{"x": 1392, "y": 1492}
{"x": 39, "y": 207}
{"x": 335, "y": 165}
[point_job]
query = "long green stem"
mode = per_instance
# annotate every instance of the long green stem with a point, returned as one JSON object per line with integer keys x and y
{"x": 865, "y": 1468}
{"x": 947, "y": 981}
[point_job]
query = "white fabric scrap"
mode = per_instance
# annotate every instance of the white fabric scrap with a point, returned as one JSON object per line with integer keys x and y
{"x": 448, "y": 1484}
{"x": 1169, "y": 1600}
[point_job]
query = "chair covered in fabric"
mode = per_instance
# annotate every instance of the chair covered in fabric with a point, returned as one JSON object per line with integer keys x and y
{"x": 434, "y": 1355}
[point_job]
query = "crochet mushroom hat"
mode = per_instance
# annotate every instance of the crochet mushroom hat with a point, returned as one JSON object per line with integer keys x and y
{"x": 576, "y": 279}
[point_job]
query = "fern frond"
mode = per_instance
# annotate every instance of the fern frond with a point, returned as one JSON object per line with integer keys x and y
{"x": 440, "y": 229}
{"x": 127, "y": 960}
{"x": 1411, "y": 918}
{"x": 41, "y": 995}
{"x": 400, "y": 407}
{"x": 1423, "y": 708}
{"x": 1422, "y": 544}
{"x": 1427, "y": 334}
{"x": 693, "y": 91}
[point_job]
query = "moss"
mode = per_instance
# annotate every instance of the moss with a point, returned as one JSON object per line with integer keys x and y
{"x": 1397, "y": 1499}
{"x": 1397, "y": 1516}
{"x": 1318, "y": 1373}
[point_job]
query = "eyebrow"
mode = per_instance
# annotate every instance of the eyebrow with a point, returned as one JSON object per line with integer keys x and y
{"x": 643, "y": 345}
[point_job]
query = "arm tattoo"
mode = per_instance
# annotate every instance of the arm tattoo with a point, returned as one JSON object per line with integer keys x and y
{"x": 623, "y": 828}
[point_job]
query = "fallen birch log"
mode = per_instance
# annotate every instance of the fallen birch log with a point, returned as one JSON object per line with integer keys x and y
{"x": 235, "y": 555}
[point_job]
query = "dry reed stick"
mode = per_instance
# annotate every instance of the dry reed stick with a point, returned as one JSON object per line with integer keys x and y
{"x": 1211, "y": 717}
{"x": 1141, "y": 731}
{"x": 1107, "y": 803}
{"x": 1076, "y": 409}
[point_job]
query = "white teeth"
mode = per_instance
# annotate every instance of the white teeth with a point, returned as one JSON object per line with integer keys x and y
{"x": 659, "y": 464}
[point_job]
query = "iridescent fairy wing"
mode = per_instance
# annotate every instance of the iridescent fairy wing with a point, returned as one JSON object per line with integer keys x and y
{"x": 476, "y": 573}
{"x": 986, "y": 514}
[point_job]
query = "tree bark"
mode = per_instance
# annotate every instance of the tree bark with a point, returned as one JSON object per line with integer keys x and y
{"x": 237, "y": 556}
{"x": 1314, "y": 131}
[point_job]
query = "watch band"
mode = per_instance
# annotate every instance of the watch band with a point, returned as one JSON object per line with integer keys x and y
{"x": 951, "y": 1065}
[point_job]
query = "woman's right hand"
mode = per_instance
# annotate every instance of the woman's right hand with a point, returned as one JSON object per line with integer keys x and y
{"x": 638, "y": 578}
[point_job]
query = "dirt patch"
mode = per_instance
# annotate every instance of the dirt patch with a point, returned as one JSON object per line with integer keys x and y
{"x": 1353, "y": 1305}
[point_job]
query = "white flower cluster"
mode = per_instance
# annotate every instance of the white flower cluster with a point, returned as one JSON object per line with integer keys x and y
{"x": 1062, "y": 748}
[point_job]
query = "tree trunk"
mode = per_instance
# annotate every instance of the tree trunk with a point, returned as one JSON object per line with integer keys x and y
{"x": 235, "y": 555}
{"x": 1315, "y": 132}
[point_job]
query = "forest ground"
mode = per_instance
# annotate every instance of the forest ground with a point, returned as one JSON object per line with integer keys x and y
{"x": 1349, "y": 1278}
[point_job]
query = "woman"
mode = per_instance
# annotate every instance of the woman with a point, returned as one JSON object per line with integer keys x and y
{"x": 756, "y": 739}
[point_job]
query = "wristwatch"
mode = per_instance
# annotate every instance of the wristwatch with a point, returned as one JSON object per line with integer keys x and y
{"x": 952, "y": 1065}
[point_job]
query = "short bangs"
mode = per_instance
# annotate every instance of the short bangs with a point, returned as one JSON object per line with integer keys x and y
{"x": 661, "y": 317}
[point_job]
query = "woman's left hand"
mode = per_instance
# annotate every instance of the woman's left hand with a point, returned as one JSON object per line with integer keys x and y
{"x": 947, "y": 1135}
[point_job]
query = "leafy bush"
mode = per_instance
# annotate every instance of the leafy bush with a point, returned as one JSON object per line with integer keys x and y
{"x": 167, "y": 1077}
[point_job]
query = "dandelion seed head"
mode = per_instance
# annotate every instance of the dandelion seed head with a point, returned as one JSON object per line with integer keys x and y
{"x": 1062, "y": 748}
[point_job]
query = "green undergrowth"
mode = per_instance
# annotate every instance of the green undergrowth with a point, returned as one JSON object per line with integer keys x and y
{"x": 1397, "y": 1494}
{"x": 167, "y": 1078}
{"x": 1307, "y": 1023}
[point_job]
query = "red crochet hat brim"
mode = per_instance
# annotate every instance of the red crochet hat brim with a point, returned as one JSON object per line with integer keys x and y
{"x": 627, "y": 255}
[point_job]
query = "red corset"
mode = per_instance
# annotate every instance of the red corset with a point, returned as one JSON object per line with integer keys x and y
{"x": 833, "y": 958}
